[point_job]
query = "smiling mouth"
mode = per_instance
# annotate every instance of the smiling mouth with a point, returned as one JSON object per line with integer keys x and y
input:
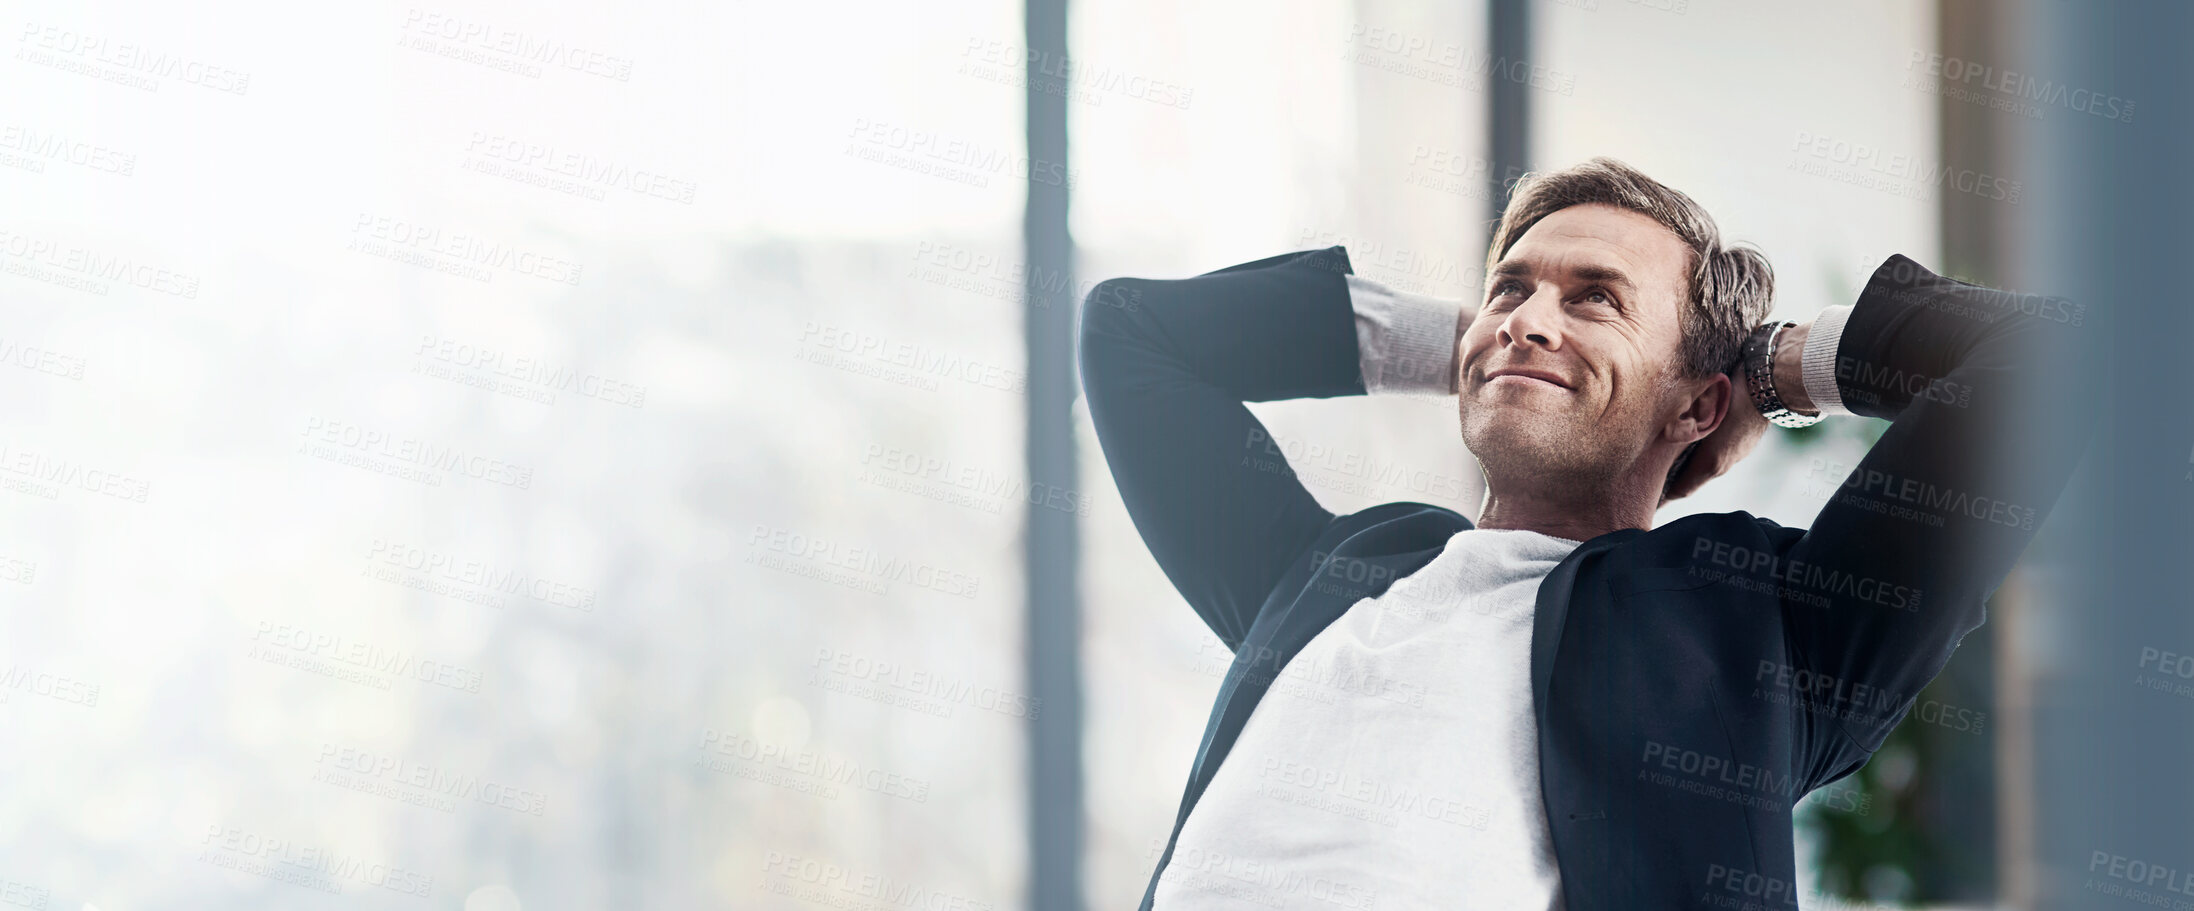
{"x": 1524, "y": 379}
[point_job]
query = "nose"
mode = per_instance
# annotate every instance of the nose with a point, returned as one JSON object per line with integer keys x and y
{"x": 1537, "y": 321}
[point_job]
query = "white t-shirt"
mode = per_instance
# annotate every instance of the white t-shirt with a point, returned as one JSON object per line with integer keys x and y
{"x": 1395, "y": 761}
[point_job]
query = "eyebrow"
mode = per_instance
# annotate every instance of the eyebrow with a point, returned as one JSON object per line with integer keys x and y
{"x": 1605, "y": 275}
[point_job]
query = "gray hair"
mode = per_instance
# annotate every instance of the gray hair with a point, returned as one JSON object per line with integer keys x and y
{"x": 1730, "y": 289}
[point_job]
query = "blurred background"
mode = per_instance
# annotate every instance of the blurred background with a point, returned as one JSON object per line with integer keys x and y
{"x": 491, "y": 455}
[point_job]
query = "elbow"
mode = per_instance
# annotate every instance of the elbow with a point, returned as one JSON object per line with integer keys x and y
{"x": 1110, "y": 301}
{"x": 1113, "y": 322}
{"x": 1108, "y": 311}
{"x": 1093, "y": 328}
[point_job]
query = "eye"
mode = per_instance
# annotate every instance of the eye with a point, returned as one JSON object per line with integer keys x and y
{"x": 1505, "y": 289}
{"x": 1601, "y": 297}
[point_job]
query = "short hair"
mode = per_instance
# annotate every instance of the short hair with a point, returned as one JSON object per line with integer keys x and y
{"x": 1730, "y": 289}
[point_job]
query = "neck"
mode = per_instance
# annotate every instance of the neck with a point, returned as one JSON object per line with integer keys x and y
{"x": 1565, "y": 508}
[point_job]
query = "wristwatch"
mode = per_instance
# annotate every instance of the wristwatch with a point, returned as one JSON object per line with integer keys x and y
{"x": 1759, "y": 360}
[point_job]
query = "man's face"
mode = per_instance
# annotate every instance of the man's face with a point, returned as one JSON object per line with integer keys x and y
{"x": 1570, "y": 363}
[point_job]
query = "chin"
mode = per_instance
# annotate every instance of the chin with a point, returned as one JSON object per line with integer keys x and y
{"x": 1508, "y": 431}
{"x": 1513, "y": 435}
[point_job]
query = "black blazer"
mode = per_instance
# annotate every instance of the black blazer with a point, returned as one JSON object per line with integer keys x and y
{"x": 1692, "y": 682}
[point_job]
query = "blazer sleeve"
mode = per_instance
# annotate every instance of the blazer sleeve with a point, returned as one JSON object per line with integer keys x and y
{"x": 1166, "y": 367}
{"x": 1984, "y": 432}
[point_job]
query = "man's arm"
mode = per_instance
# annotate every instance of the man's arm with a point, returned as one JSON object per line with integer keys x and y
{"x": 1407, "y": 342}
{"x": 1917, "y": 536}
{"x": 1166, "y": 367}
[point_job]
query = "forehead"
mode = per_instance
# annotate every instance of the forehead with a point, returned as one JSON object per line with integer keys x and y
{"x": 1597, "y": 236}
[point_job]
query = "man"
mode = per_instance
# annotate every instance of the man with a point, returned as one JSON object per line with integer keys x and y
{"x": 1560, "y": 705}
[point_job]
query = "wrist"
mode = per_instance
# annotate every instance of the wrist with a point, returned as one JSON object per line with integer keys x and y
{"x": 1405, "y": 342}
{"x": 1824, "y": 339}
{"x": 1773, "y": 369}
{"x": 1790, "y": 369}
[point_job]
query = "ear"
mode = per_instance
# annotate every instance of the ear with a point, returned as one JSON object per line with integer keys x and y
{"x": 1703, "y": 411}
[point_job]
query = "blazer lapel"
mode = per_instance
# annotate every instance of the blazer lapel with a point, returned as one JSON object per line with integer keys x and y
{"x": 1556, "y": 796}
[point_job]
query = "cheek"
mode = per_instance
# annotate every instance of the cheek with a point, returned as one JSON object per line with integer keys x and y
{"x": 1622, "y": 365}
{"x": 1467, "y": 352}
{"x": 1642, "y": 397}
{"x": 1633, "y": 390}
